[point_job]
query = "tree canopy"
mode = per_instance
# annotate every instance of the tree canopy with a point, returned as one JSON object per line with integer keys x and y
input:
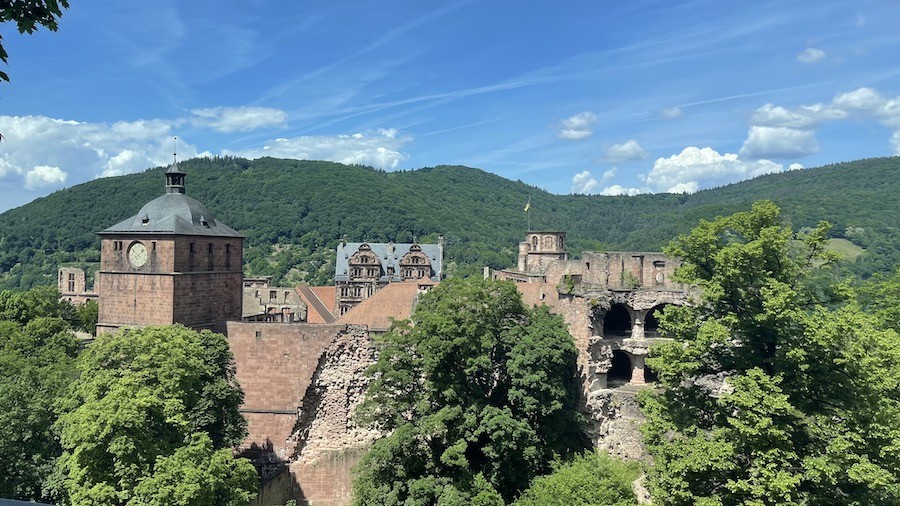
{"x": 770, "y": 394}
{"x": 148, "y": 405}
{"x": 479, "y": 393}
{"x": 588, "y": 480}
{"x": 37, "y": 364}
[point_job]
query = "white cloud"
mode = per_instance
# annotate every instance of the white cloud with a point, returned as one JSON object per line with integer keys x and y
{"x": 895, "y": 141}
{"x": 778, "y": 142}
{"x": 574, "y": 135}
{"x": 577, "y": 126}
{"x": 381, "y": 150}
{"x": 85, "y": 150}
{"x": 689, "y": 187}
{"x": 43, "y": 176}
{"x": 583, "y": 182}
{"x": 796, "y": 166}
{"x": 862, "y": 103}
{"x": 620, "y": 190}
{"x": 696, "y": 168}
{"x": 628, "y": 150}
{"x": 239, "y": 119}
{"x": 671, "y": 113}
{"x": 810, "y": 55}
{"x": 805, "y": 116}
{"x": 8, "y": 169}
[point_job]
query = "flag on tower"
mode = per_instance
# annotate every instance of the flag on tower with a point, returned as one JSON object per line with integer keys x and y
{"x": 528, "y": 204}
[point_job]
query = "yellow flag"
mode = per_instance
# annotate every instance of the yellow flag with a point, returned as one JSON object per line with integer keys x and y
{"x": 528, "y": 204}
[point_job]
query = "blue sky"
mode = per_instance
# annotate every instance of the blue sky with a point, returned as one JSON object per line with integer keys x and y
{"x": 573, "y": 96}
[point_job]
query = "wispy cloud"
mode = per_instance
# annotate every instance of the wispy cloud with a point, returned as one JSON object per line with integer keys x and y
{"x": 239, "y": 119}
{"x": 811, "y": 55}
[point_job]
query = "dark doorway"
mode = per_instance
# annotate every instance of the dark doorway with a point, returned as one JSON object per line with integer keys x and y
{"x": 617, "y": 322}
{"x": 620, "y": 372}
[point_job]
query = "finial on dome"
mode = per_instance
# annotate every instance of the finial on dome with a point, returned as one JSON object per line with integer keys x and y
{"x": 174, "y": 176}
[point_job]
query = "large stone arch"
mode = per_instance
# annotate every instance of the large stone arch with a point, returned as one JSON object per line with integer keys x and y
{"x": 651, "y": 320}
{"x": 617, "y": 322}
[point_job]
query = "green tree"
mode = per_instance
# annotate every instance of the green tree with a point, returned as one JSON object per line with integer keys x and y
{"x": 40, "y": 301}
{"x": 28, "y": 15}
{"x": 880, "y": 297}
{"x": 593, "y": 479}
{"x": 479, "y": 393}
{"x": 37, "y": 364}
{"x": 198, "y": 475}
{"x": 86, "y": 316}
{"x": 142, "y": 394}
{"x": 769, "y": 396}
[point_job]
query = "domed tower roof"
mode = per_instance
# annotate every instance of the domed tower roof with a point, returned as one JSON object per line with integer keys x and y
{"x": 173, "y": 213}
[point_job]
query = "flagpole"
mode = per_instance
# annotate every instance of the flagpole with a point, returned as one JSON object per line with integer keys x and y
{"x": 528, "y": 213}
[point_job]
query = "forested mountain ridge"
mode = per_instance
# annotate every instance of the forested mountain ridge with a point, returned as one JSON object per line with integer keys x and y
{"x": 294, "y": 213}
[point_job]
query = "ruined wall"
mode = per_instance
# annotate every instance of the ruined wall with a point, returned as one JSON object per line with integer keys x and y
{"x": 275, "y": 365}
{"x": 302, "y": 384}
{"x": 328, "y": 443}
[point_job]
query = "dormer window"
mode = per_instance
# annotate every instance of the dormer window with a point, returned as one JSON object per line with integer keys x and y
{"x": 145, "y": 220}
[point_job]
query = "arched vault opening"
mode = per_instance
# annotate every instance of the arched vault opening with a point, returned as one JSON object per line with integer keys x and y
{"x": 617, "y": 322}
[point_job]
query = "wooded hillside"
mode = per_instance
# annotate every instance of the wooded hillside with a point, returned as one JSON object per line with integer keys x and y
{"x": 294, "y": 213}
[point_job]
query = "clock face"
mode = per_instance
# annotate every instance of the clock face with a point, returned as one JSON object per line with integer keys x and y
{"x": 137, "y": 254}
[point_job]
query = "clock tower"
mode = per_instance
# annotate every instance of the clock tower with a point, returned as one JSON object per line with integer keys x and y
{"x": 172, "y": 262}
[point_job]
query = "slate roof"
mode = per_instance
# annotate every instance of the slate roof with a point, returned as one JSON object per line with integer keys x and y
{"x": 435, "y": 254}
{"x": 176, "y": 214}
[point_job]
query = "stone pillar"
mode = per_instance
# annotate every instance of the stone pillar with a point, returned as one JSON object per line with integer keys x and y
{"x": 637, "y": 370}
{"x": 637, "y": 328}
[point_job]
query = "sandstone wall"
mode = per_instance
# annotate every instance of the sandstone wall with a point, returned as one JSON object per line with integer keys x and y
{"x": 275, "y": 366}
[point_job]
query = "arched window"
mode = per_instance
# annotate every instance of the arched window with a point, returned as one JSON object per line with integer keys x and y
{"x": 651, "y": 321}
{"x": 617, "y": 322}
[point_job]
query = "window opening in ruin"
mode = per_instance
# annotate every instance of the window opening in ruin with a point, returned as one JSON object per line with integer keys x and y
{"x": 273, "y": 294}
{"x": 651, "y": 322}
{"x": 620, "y": 372}
{"x": 617, "y": 322}
{"x": 258, "y": 334}
{"x": 153, "y": 246}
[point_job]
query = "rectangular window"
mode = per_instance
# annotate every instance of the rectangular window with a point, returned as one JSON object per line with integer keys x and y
{"x": 227, "y": 256}
{"x": 273, "y": 294}
{"x": 153, "y": 246}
